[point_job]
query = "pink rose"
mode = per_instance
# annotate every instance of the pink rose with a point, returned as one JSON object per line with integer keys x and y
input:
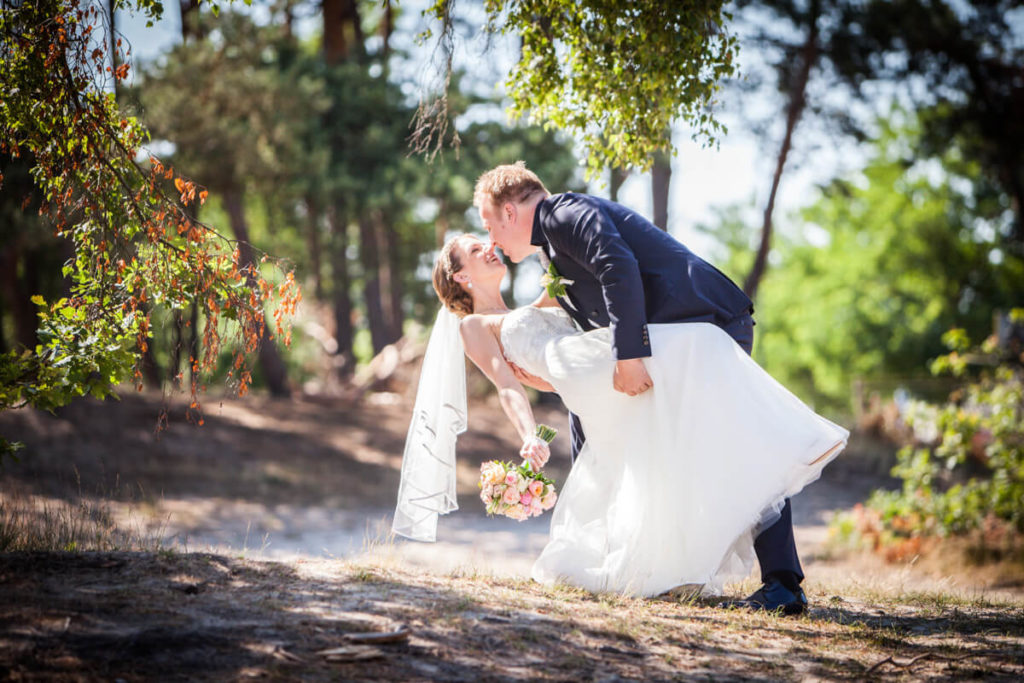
{"x": 510, "y": 496}
{"x": 536, "y": 488}
{"x": 525, "y": 497}
{"x": 512, "y": 479}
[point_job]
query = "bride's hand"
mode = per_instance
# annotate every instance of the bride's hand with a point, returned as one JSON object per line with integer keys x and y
{"x": 535, "y": 451}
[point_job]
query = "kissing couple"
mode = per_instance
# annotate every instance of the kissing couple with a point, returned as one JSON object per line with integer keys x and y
{"x": 685, "y": 451}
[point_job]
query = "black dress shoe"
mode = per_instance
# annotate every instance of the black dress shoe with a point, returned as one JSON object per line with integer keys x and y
{"x": 773, "y": 596}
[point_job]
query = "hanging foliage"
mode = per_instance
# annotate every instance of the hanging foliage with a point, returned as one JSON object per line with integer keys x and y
{"x": 136, "y": 244}
{"x": 614, "y": 75}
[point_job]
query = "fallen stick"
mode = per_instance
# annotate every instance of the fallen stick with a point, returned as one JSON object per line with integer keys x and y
{"x": 915, "y": 660}
{"x": 352, "y": 653}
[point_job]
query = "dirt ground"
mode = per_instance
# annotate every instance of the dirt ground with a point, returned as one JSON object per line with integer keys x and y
{"x": 293, "y": 498}
{"x": 112, "y": 616}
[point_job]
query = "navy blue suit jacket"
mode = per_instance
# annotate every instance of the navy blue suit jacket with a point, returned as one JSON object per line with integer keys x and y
{"x": 627, "y": 272}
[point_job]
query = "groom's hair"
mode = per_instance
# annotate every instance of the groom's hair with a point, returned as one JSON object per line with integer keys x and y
{"x": 508, "y": 183}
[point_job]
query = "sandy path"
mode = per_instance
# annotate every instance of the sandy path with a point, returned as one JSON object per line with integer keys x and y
{"x": 467, "y": 539}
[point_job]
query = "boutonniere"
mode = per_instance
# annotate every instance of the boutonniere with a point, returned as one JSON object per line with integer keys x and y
{"x": 553, "y": 283}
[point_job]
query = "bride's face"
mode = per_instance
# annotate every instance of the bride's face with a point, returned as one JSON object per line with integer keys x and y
{"x": 480, "y": 265}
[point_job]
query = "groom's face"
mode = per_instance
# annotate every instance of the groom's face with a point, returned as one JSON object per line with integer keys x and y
{"x": 503, "y": 225}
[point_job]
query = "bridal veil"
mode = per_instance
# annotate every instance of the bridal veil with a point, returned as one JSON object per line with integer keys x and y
{"x": 427, "y": 488}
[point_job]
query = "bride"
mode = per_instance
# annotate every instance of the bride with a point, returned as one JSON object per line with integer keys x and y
{"x": 671, "y": 486}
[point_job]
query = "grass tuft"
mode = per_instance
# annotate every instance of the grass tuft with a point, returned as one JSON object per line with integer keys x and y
{"x": 34, "y": 523}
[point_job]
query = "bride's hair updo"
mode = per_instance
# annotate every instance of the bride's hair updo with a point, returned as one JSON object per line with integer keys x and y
{"x": 450, "y": 292}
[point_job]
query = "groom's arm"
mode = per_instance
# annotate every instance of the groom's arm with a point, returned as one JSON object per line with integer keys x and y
{"x": 584, "y": 232}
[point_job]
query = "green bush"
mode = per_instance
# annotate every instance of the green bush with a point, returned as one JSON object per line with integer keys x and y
{"x": 965, "y": 470}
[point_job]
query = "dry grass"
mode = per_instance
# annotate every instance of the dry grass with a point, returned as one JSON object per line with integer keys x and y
{"x": 38, "y": 523}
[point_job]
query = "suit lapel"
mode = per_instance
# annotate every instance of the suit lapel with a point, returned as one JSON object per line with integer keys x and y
{"x": 546, "y": 258}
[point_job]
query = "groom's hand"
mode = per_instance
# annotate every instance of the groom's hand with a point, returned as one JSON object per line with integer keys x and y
{"x": 529, "y": 380}
{"x": 631, "y": 377}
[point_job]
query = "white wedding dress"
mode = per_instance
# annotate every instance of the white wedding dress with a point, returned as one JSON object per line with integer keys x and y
{"x": 672, "y": 485}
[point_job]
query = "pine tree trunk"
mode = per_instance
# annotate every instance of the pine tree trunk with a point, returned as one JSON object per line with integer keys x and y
{"x": 369, "y": 257}
{"x": 342, "y": 298}
{"x": 193, "y": 346}
{"x": 440, "y": 227}
{"x": 189, "y": 20}
{"x": 661, "y": 177}
{"x": 3, "y": 339}
{"x": 797, "y": 101}
{"x": 271, "y": 363}
{"x": 343, "y": 31}
{"x": 619, "y": 176}
{"x": 19, "y": 298}
{"x": 150, "y": 368}
{"x": 314, "y": 246}
{"x": 177, "y": 343}
{"x": 387, "y": 27}
{"x": 112, "y": 47}
{"x": 1014, "y": 181}
{"x": 396, "y": 317}
{"x": 174, "y": 371}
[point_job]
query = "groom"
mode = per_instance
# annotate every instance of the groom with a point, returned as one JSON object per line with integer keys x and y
{"x": 626, "y": 273}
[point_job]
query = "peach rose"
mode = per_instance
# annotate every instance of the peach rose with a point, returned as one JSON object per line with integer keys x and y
{"x": 536, "y": 488}
{"x": 492, "y": 472}
{"x": 511, "y": 495}
{"x": 548, "y": 501}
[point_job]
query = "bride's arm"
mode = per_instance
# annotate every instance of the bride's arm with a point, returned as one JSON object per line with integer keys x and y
{"x": 482, "y": 348}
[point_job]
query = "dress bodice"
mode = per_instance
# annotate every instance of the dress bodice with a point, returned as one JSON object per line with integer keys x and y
{"x": 526, "y": 331}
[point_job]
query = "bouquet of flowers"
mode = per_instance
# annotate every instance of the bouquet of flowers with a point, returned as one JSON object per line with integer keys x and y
{"x": 517, "y": 491}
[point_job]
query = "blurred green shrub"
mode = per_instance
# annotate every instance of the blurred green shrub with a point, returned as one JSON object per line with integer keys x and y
{"x": 964, "y": 473}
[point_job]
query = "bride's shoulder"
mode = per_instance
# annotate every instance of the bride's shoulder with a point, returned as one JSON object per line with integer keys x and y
{"x": 475, "y": 324}
{"x": 479, "y": 333}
